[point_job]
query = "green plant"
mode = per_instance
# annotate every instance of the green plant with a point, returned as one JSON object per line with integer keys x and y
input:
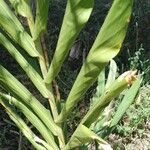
{"x": 29, "y": 51}
{"x": 112, "y": 115}
{"x": 141, "y": 62}
{"x": 137, "y": 116}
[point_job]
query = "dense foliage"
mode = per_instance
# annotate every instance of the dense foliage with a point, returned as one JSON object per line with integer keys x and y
{"x": 62, "y": 100}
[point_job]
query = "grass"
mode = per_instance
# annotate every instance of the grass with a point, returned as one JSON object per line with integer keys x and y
{"x": 133, "y": 130}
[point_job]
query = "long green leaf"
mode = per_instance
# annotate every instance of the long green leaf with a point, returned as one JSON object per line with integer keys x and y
{"x": 101, "y": 80}
{"x": 23, "y": 7}
{"x": 20, "y": 92}
{"x": 100, "y": 90}
{"x": 113, "y": 91}
{"x": 112, "y": 73}
{"x": 40, "y": 26}
{"x": 32, "y": 118}
{"x": 15, "y": 30}
{"x": 30, "y": 71}
{"x": 105, "y": 47}
{"x": 76, "y": 15}
{"x": 121, "y": 83}
{"x": 100, "y": 87}
{"x": 126, "y": 102}
{"x": 41, "y": 17}
{"x": 84, "y": 135}
{"x": 22, "y": 125}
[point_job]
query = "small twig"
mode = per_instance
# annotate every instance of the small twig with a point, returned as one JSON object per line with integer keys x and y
{"x": 45, "y": 51}
{"x": 14, "y": 132}
{"x": 20, "y": 141}
{"x": 9, "y": 122}
{"x": 63, "y": 82}
{"x": 56, "y": 88}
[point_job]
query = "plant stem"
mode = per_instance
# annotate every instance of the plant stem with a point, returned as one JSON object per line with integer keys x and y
{"x": 20, "y": 141}
{"x": 42, "y": 61}
{"x": 44, "y": 64}
{"x": 22, "y": 126}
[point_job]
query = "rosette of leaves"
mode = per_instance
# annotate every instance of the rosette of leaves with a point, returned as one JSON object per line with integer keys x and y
{"x": 26, "y": 46}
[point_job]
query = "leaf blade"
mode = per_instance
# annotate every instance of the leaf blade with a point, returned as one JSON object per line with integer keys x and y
{"x": 15, "y": 30}
{"x": 105, "y": 47}
{"x": 22, "y": 125}
{"x": 38, "y": 124}
{"x": 126, "y": 102}
{"x": 30, "y": 71}
{"x": 84, "y": 135}
{"x": 112, "y": 73}
{"x": 76, "y": 15}
{"x": 12, "y": 85}
{"x": 41, "y": 17}
{"x": 23, "y": 8}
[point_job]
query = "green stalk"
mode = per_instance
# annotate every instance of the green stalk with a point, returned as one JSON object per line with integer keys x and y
{"x": 76, "y": 16}
{"x": 26, "y": 66}
{"x": 12, "y": 26}
{"x": 30, "y": 21}
{"x": 23, "y": 127}
{"x": 126, "y": 102}
{"x": 33, "y": 119}
{"x": 31, "y": 72}
{"x": 23, "y": 8}
{"x": 106, "y": 46}
{"x": 20, "y": 92}
{"x": 43, "y": 65}
{"x": 42, "y": 62}
{"x": 112, "y": 92}
{"x": 83, "y": 136}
